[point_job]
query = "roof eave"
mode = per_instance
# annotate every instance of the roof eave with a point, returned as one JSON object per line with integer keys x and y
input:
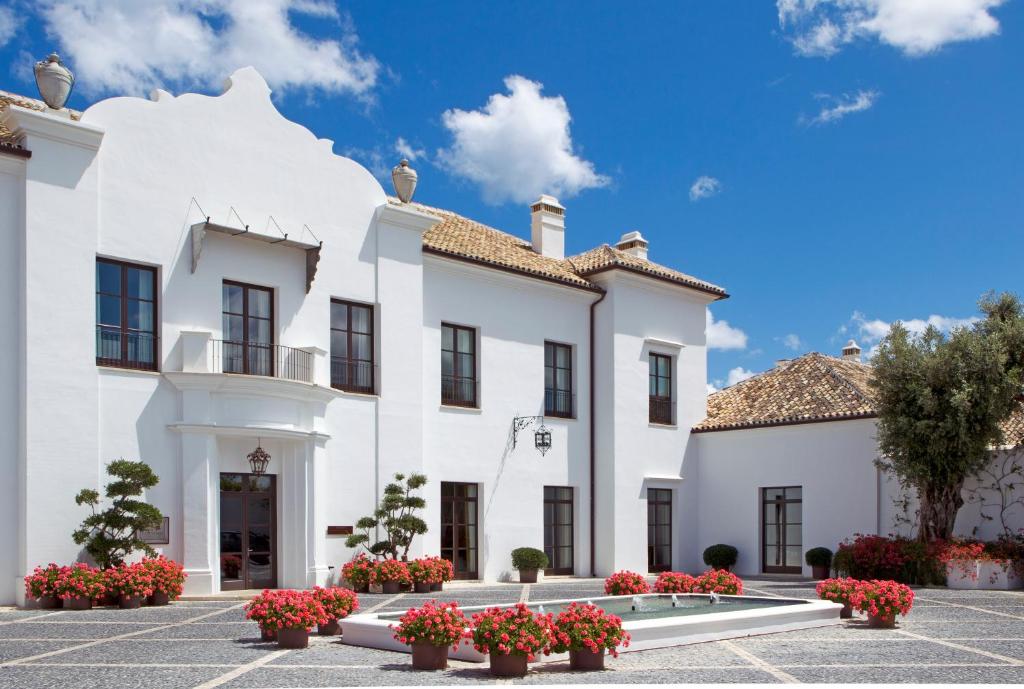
{"x": 509, "y": 269}
{"x": 718, "y": 293}
{"x": 772, "y": 423}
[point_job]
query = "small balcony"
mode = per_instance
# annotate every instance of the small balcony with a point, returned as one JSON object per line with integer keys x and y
{"x": 459, "y": 392}
{"x": 132, "y": 349}
{"x": 353, "y": 375}
{"x": 204, "y": 354}
{"x": 661, "y": 410}
{"x": 559, "y": 403}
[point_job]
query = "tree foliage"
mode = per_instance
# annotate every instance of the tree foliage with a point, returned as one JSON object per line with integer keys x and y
{"x": 940, "y": 402}
{"x": 395, "y": 516}
{"x": 112, "y": 534}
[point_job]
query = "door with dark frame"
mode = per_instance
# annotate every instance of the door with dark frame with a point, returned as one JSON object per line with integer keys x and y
{"x": 781, "y": 530}
{"x": 459, "y": 523}
{"x": 558, "y": 527}
{"x": 659, "y": 529}
{"x": 248, "y": 522}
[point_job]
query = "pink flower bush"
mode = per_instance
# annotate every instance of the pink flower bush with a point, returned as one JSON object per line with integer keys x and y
{"x": 167, "y": 576}
{"x": 424, "y": 571}
{"x": 845, "y": 591}
{"x": 357, "y": 571}
{"x": 586, "y": 627}
{"x": 390, "y": 570}
{"x": 79, "y": 581}
{"x": 718, "y": 581}
{"x": 338, "y": 603}
{"x": 626, "y": 584}
{"x": 674, "y": 582}
{"x": 444, "y": 568}
{"x": 437, "y": 624}
{"x": 512, "y": 631}
{"x": 286, "y": 609}
{"x": 131, "y": 581}
{"x": 884, "y": 599}
{"x": 43, "y": 581}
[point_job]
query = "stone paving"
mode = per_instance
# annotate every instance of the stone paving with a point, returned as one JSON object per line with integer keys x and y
{"x": 949, "y": 637}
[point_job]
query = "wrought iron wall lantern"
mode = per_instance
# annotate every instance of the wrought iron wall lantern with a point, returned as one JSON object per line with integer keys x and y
{"x": 541, "y": 436}
{"x": 258, "y": 460}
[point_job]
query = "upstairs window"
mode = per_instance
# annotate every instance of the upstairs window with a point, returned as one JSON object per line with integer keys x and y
{"x": 352, "y": 366}
{"x": 126, "y": 315}
{"x": 458, "y": 366}
{"x": 248, "y": 321}
{"x": 558, "y": 399}
{"x": 660, "y": 389}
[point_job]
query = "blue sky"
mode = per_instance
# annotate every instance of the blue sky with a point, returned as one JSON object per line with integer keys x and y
{"x": 862, "y": 158}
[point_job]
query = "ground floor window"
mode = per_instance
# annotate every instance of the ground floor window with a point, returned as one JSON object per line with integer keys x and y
{"x": 782, "y": 525}
{"x": 659, "y": 529}
{"x": 459, "y": 527}
{"x": 558, "y": 527}
{"x": 248, "y": 545}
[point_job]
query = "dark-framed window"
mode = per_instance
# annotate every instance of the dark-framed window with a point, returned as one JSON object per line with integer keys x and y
{"x": 459, "y": 536}
{"x": 659, "y": 529}
{"x": 558, "y": 399}
{"x": 558, "y": 528}
{"x": 782, "y": 529}
{"x": 352, "y": 364}
{"x": 458, "y": 365}
{"x": 660, "y": 388}
{"x": 126, "y": 315}
{"x": 248, "y": 318}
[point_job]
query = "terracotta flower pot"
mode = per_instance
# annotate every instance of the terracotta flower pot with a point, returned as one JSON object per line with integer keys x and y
{"x": 527, "y": 576}
{"x": 107, "y": 599}
{"x": 585, "y": 659}
{"x": 49, "y": 602}
{"x": 362, "y": 588}
{"x": 508, "y": 666}
{"x": 268, "y": 634}
{"x": 332, "y": 628}
{"x": 847, "y": 612}
{"x": 421, "y": 587}
{"x": 78, "y": 603}
{"x": 819, "y": 572}
{"x": 429, "y": 657}
{"x": 292, "y": 638}
{"x": 159, "y": 598}
{"x": 129, "y": 602}
{"x": 879, "y": 622}
{"x": 437, "y": 586}
{"x": 390, "y": 586}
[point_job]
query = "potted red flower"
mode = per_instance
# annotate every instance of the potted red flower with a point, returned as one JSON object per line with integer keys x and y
{"x": 674, "y": 582}
{"x": 390, "y": 574}
{"x": 168, "y": 578}
{"x": 291, "y": 614}
{"x": 78, "y": 585}
{"x": 512, "y": 637}
{"x": 431, "y": 630}
{"x": 131, "y": 584}
{"x": 626, "y": 584}
{"x": 843, "y": 590}
{"x": 423, "y": 572}
{"x": 357, "y": 573}
{"x": 586, "y": 632}
{"x": 444, "y": 571}
{"x": 41, "y": 585}
{"x": 883, "y": 600}
{"x": 338, "y": 603}
{"x": 718, "y": 581}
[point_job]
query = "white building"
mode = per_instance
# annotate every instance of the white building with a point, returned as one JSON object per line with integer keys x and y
{"x": 190, "y": 277}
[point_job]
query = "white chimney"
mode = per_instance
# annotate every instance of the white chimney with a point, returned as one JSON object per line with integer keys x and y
{"x": 547, "y": 227}
{"x": 851, "y": 351}
{"x": 634, "y": 244}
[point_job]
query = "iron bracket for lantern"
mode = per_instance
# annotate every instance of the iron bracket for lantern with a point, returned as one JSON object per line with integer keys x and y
{"x": 541, "y": 436}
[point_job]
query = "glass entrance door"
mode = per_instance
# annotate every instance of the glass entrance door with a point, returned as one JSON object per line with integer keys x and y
{"x": 248, "y": 547}
{"x": 459, "y": 527}
{"x": 782, "y": 526}
{"x": 558, "y": 545}
{"x": 659, "y": 529}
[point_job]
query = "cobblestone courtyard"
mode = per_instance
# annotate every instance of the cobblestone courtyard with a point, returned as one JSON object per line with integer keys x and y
{"x": 950, "y": 636}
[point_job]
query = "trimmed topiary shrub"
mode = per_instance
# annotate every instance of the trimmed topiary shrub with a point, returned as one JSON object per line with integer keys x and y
{"x": 818, "y": 557}
{"x": 529, "y": 558}
{"x": 720, "y": 556}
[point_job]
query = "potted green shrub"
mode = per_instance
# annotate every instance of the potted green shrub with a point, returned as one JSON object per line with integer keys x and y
{"x": 721, "y": 556}
{"x": 527, "y": 561}
{"x": 820, "y": 561}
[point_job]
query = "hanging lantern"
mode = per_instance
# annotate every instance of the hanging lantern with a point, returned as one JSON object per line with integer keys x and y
{"x": 258, "y": 460}
{"x": 542, "y": 439}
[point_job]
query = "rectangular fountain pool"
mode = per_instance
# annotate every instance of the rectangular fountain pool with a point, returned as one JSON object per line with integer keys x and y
{"x": 653, "y": 620}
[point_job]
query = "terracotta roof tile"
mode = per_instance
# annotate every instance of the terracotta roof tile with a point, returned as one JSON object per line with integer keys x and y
{"x": 606, "y": 257}
{"x": 7, "y": 137}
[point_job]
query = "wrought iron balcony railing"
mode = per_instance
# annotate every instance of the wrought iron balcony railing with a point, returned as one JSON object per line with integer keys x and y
{"x": 126, "y": 348}
{"x": 259, "y": 359}
{"x": 662, "y": 410}
{"x": 560, "y": 403}
{"x": 458, "y": 392}
{"x": 353, "y": 375}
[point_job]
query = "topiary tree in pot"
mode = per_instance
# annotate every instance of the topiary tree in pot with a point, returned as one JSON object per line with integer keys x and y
{"x": 528, "y": 561}
{"x": 820, "y": 561}
{"x": 396, "y": 515}
{"x": 721, "y": 556}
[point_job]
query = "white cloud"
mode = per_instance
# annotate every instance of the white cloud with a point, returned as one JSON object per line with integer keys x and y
{"x": 127, "y": 46}
{"x": 711, "y": 389}
{"x": 917, "y": 27}
{"x": 792, "y": 341}
{"x": 738, "y": 375}
{"x": 721, "y": 335}
{"x": 517, "y": 146}
{"x": 843, "y": 105}
{"x": 871, "y": 330}
{"x": 9, "y": 24}
{"x": 406, "y": 150}
{"x": 703, "y": 187}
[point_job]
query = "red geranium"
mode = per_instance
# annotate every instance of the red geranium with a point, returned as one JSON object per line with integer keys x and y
{"x": 338, "y": 603}
{"x": 512, "y": 631}
{"x": 626, "y": 584}
{"x": 844, "y": 590}
{"x": 286, "y": 609}
{"x": 674, "y": 582}
{"x": 132, "y": 581}
{"x": 43, "y": 582}
{"x": 884, "y": 598}
{"x": 168, "y": 576}
{"x": 357, "y": 571}
{"x": 79, "y": 581}
{"x": 389, "y": 570}
{"x": 587, "y": 627}
{"x": 437, "y": 624}
{"x": 718, "y": 581}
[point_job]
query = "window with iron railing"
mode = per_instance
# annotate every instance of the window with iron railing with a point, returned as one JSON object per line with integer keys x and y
{"x": 558, "y": 397}
{"x": 126, "y": 315}
{"x": 458, "y": 366}
{"x": 248, "y": 321}
{"x": 660, "y": 389}
{"x": 352, "y": 347}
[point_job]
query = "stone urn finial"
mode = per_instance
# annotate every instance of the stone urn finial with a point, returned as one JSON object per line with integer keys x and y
{"x": 54, "y": 81}
{"x": 404, "y": 178}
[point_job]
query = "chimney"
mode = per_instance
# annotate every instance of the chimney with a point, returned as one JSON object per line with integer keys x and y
{"x": 634, "y": 244}
{"x": 547, "y": 227}
{"x": 851, "y": 352}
